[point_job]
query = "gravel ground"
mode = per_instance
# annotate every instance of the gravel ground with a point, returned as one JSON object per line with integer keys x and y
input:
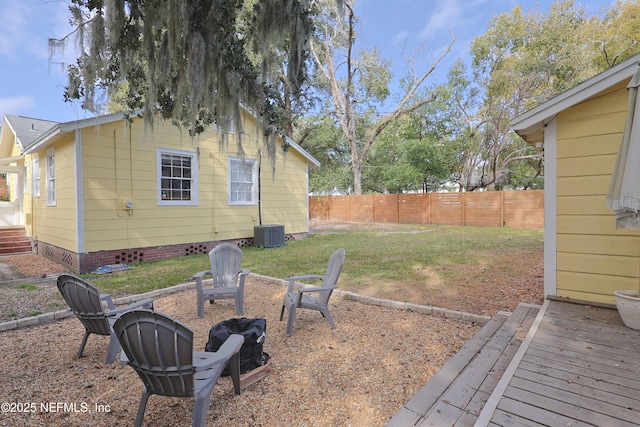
{"x": 36, "y": 294}
{"x": 359, "y": 374}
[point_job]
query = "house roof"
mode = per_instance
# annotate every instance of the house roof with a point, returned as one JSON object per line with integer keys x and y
{"x": 54, "y": 130}
{"x": 25, "y": 130}
{"x": 530, "y": 125}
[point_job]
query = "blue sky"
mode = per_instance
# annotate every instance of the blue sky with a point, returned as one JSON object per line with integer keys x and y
{"x": 32, "y": 86}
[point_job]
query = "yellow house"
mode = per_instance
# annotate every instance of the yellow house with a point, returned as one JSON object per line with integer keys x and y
{"x": 585, "y": 256}
{"x": 107, "y": 190}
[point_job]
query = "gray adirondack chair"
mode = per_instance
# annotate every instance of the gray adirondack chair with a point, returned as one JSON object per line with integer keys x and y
{"x": 160, "y": 350}
{"x": 319, "y": 300}
{"x": 228, "y": 277}
{"x": 87, "y": 303}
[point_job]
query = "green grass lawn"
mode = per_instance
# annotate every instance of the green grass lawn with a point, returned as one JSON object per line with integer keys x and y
{"x": 376, "y": 257}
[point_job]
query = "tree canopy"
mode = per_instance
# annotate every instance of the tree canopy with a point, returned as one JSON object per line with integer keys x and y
{"x": 194, "y": 62}
{"x": 198, "y": 62}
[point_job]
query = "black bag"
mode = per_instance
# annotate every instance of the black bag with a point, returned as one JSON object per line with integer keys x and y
{"x": 254, "y": 332}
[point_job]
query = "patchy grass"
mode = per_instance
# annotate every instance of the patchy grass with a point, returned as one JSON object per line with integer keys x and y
{"x": 475, "y": 269}
{"x": 406, "y": 255}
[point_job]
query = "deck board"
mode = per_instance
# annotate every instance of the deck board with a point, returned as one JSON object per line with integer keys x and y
{"x": 457, "y": 393}
{"x": 581, "y": 367}
{"x": 578, "y": 366}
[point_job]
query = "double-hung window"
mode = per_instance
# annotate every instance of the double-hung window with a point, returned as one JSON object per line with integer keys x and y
{"x": 177, "y": 177}
{"x": 35, "y": 175}
{"x": 51, "y": 178}
{"x": 243, "y": 181}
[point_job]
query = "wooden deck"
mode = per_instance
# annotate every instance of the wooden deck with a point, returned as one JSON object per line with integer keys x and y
{"x": 577, "y": 366}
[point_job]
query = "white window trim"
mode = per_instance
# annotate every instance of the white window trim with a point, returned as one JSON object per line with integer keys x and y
{"x": 52, "y": 198}
{"x": 194, "y": 177}
{"x": 231, "y": 130}
{"x": 35, "y": 176}
{"x": 254, "y": 189}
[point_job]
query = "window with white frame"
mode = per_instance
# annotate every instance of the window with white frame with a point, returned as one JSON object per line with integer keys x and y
{"x": 51, "y": 178}
{"x": 25, "y": 180}
{"x": 177, "y": 177}
{"x": 35, "y": 176}
{"x": 243, "y": 181}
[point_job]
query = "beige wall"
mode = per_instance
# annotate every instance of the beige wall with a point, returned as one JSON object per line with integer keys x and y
{"x": 593, "y": 258}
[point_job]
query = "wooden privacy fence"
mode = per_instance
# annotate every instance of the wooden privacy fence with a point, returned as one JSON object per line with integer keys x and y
{"x": 516, "y": 209}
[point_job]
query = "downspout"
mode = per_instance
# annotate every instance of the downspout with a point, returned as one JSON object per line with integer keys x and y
{"x": 260, "y": 187}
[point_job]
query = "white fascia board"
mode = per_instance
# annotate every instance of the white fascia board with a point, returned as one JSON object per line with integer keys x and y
{"x": 537, "y": 117}
{"x": 63, "y": 128}
{"x": 315, "y": 162}
{"x": 67, "y": 127}
{"x": 93, "y": 121}
{"x": 42, "y": 141}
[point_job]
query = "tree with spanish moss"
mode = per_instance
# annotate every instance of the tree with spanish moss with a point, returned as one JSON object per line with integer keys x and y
{"x": 195, "y": 62}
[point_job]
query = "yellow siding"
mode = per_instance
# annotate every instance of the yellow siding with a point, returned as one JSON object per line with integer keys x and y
{"x": 593, "y": 258}
{"x": 119, "y": 163}
{"x": 56, "y": 225}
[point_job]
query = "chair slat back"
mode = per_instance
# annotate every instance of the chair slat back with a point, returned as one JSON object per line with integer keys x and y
{"x": 334, "y": 268}
{"x": 83, "y": 299}
{"x": 225, "y": 260}
{"x": 160, "y": 350}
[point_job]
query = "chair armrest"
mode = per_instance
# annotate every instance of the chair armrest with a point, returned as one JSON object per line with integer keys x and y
{"x": 316, "y": 289}
{"x": 107, "y": 298}
{"x": 145, "y": 303}
{"x": 206, "y": 360}
{"x": 201, "y": 274}
{"x": 243, "y": 276}
{"x": 293, "y": 279}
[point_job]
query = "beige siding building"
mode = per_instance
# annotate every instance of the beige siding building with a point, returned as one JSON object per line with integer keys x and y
{"x": 586, "y": 257}
{"x": 105, "y": 190}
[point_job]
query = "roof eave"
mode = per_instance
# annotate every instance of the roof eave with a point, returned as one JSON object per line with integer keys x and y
{"x": 314, "y": 162}
{"x": 63, "y": 128}
{"x": 530, "y": 125}
{"x": 42, "y": 140}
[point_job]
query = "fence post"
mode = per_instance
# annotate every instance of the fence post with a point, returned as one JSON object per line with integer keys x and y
{"x": 501, "y": 209}
{"x": 373, "y": 209}
{"x": 464, "y": 209}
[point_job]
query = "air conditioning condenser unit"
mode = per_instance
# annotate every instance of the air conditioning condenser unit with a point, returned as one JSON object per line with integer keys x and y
{"x": 268, "y": 236}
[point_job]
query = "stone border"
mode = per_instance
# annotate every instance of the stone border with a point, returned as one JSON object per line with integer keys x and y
{"x": 398, "y": 305}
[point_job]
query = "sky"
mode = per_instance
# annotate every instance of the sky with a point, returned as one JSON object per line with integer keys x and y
{"x": 32, "y": 85}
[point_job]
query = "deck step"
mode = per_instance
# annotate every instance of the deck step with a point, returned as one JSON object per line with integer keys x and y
{"x": 456, "y": 394}
{"x": 14, "y": 241}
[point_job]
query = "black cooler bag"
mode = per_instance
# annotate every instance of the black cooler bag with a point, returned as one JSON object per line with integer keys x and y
{"x": 254, "y": 333}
